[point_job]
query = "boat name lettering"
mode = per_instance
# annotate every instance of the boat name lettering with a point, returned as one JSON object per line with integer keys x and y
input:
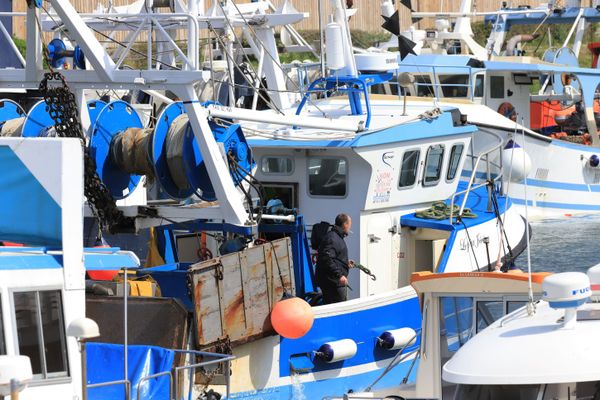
{"x": 464, "y": 242}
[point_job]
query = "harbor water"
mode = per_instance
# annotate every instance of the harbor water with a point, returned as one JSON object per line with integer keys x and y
{"x": 560, "y": 245}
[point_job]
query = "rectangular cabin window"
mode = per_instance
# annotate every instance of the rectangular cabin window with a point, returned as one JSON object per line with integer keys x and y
{"x": 497, "y": 87}
{"x": 424, "y": 86}
{"x": 327, "y": 176}
{"x": 479, "y": 86}
{"x": 455, "y": 155}
{"x": 454, "y": 85}
{"x": 277, "y": 165}
{"x": 433, "y": 165}
{"x": 408, "y": 170}
{"x": 41, "y": 332}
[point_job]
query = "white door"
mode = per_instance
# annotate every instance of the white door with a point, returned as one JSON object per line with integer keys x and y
{"x": 379, "y": 254}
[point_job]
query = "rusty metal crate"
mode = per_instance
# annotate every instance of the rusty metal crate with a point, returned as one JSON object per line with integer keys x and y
{"x": 234, "y": 294}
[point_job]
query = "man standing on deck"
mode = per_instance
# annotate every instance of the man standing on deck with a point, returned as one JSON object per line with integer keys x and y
{"x": 332, "y": 261}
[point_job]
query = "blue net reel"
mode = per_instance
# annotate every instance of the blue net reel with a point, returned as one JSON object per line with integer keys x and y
{"x": 114, "y": 119}
{"x": 10, "y": 109}
{"x": 185, "y": 174}
{"x": 170, "y": 154}
{"x": 58, "y": 54}
{"x": 38, "y": 122}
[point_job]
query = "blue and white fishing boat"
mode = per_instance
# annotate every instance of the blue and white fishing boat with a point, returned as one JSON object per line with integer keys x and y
{"x": 492, "y": 85}
{"x": 228, "y": 181}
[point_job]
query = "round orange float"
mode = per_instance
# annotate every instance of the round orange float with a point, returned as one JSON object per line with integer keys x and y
{"x": 292, "y": 317}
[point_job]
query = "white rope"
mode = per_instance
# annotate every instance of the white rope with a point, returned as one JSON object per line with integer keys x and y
{"x": 174, "y": 145}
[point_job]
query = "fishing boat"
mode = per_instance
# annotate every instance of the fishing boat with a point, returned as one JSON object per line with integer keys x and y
{"x": 555, "y": 123}
{"x": 235, "y": 192}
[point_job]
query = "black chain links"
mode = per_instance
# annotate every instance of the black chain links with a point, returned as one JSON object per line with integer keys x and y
{"x": 62, "y": 107}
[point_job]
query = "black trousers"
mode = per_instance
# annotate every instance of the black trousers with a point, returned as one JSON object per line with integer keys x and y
{"x": 334, "y": 294}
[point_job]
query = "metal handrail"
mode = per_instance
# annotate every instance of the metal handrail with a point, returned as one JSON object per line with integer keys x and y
{"x": 125, "y": 382}
{"x": 470, "y": 186}
{"x": 174, "y": 374}
{"x": 153, "y": 376}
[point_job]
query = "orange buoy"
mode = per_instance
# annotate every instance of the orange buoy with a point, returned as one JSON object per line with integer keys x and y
{"x": 292, "y": 318}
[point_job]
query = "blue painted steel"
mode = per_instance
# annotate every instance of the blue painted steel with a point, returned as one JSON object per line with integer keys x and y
{"x": 105, "y": 262}
{"x": 9, "y": 110}
{"x": 231, "y": 137}
{"x": 159, "y": 152}
{"x": 334, "y": 386}
{"x": 477, "y": 202}
{"x": 38, "y": 120}
{"x": 567, "y": 303}
{"x": 105, "y": 363}
{"x": 364, "y": 327}
{"x": 439, "y": 127}
{"x": 57, "y": 53}
{"x": 172, "y": 280}
{"x": 78, "y": 57}
{"x": 28, "y": 214}
{"x": 537, "y": 16}
{"x": 29, "y": 262}
{"x": 94, "y": 108}
{"x": 447, "y": 251}
{"x": 354, "y": 86}
{"x": 114, "y": 118}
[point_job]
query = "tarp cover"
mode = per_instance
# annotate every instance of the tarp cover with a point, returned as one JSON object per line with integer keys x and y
{"x": 105, "y": 363}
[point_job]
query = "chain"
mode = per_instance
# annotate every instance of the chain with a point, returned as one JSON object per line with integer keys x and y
{"x": 62, "y": 108}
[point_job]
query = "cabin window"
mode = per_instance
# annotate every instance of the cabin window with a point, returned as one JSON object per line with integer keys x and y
{"x": 457, "y": 320}
{"x": 41, "y": 333}
{"x": 497, "y": 87}
{"x": 479, "y": 86}
{"x": 327, "y": 176}
{"x": 433, "y": 165}
{"x": 408, "y": 170}
{"x": 424, "y": 86}
{"x": 454, "y": 85}
{"x": 277, "y": 165}
{"x": 488, "y": 311}
{"x": 455, "y": 155}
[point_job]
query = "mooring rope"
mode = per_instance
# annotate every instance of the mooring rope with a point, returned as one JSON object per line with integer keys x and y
{"x": 12, "y": 127}
{"x": 174, "y": 146}
{"x": 130, "y": 151}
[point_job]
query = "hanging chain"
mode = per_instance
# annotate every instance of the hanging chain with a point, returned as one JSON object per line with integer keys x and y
{"x": 62, "y": 108}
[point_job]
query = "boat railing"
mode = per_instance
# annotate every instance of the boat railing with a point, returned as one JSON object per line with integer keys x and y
{"x": 173, "y": 375}
{"x": 436, "y": 86}
{"x": 484, "y": 155}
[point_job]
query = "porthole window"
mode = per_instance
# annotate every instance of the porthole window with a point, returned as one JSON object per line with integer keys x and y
{"x": 277, "y": 165}
{"x": 433, "y": 165}
{"x": 408, "y": 169}
{"x": 327, "y": 176}
{"x": 455, "y": 156}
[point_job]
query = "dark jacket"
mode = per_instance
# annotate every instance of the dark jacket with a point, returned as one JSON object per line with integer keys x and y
{"x": 332, "y": 260}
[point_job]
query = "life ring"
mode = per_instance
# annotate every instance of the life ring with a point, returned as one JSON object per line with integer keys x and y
{"x": 508, "y": 111}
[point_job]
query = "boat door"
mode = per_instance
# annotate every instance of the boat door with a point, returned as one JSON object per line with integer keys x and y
{"x": 379, "y": 253}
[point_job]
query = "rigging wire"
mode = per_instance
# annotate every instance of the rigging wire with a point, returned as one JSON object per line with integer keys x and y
{"x": 530, "y": 304}
{"x": 275, "y": 61}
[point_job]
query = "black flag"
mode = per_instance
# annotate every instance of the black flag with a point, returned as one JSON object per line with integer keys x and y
{"x": 407, "y": 4}
{"x": 392, "y": 25}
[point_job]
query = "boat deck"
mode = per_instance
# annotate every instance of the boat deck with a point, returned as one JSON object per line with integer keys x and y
{"x": 477, "y": 202}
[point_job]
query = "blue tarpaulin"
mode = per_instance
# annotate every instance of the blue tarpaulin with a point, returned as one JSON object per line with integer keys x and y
{"x": 105, "y": 363}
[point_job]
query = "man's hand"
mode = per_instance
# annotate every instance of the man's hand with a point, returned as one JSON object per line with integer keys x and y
{"x": 343, "y": 281}
{"x": 351, "y": 264}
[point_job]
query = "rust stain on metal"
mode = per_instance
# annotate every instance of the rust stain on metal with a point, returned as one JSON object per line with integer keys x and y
{"x": 233, "y": 311}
